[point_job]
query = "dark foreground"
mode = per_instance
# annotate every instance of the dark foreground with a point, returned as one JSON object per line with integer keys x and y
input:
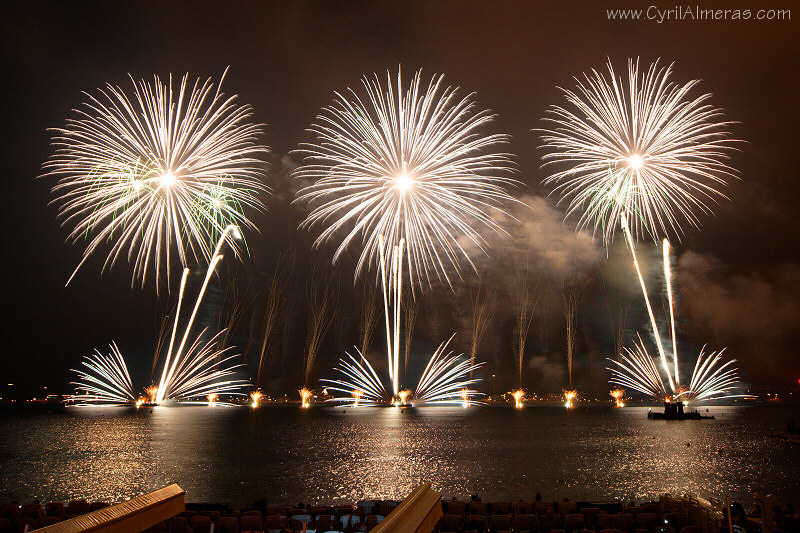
{"x": 667, "y": 515}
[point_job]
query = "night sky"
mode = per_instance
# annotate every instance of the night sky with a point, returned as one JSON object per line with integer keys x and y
{"x": 739, "y": 275}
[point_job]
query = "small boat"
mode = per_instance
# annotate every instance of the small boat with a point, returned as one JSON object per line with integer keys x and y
{"x": 674, "y": 411}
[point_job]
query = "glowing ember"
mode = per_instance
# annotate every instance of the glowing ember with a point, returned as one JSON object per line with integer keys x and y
{"x": 255, "y": 397}
{"x": 519, "y": 396}
{"x": 152, "y": 393}
{"x": 404, "y": 396}
{"x": 618, "y": 395}
{"x": 305, "y": 397}
{"x": 569, "y": 396}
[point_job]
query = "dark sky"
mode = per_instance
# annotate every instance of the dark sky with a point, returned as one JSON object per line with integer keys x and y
{"x": 741, "y": 269}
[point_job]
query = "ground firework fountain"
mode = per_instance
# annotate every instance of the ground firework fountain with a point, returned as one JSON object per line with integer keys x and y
{"x": 519, "y": 397}
{"x": 569, "y": 398}
{"x": 193, "y": 370}
{"x": 711, "y": 379}
{"x": 618, "y": 395}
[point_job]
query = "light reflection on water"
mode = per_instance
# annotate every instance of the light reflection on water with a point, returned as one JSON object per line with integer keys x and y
{"x": 287, "y": 454}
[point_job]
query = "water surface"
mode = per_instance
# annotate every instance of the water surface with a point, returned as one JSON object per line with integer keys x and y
{"x": 288, "y": 454}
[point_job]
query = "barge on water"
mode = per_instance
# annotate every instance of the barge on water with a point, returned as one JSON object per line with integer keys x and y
{"x": 674, "y": 411}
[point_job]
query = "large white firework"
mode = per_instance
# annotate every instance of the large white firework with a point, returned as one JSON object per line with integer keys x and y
{"x": 157, "y": 173}
{"x": 645, "y": 148}
{"x": 411, "y": 165}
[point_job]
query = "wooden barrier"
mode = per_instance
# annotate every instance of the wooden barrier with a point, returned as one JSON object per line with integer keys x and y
{"x": 418, "y": 513}
{"x": 134, "y": 515}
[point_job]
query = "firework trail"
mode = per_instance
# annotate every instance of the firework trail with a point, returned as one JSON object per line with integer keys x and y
{"x": 103, "y": 379}
{"x": 156, "y": 173}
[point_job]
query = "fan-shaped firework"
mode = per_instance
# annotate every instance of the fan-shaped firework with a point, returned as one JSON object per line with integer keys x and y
{"x": 446, "y": 378}
{"x": 410, "y": 165}
{"x": 103, "y": 379}
{"x": 636, "y": 370}
{"x": 360, "y": 383}
{"x": 711, "y": 379}
{"x": 156, "y": 173}
{"x": 196, "y": 371}
{"x": 641, "y": 148}
{"x": 197, "y": 368}
{"x": 200, "y": 371}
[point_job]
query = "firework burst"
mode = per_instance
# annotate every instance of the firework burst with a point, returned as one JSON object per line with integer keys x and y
{"x": 157, "y": 173}
{"x": 618, "y": 395}
{"x": 413, "y": 166}
{"x": 644, "y": 148}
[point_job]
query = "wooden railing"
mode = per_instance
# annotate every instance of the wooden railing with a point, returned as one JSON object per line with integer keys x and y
{"x": 133, "y": 515}
{"x": 417, "y": 513}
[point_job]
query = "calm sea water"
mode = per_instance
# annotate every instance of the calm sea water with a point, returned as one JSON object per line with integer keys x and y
{"x": 287, "y": 454}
